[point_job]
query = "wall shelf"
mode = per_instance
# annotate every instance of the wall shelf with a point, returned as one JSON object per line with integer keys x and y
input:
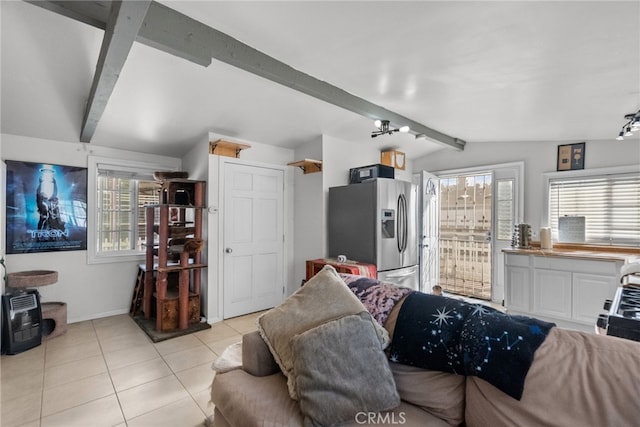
{"x": 308, "y": 165}
{"x": 227, "y": 148}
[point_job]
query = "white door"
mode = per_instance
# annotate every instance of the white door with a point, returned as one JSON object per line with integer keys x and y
{"x": 506, "y": 213}
{"x": 253, "y": 239}
{"x": 428, "y": 229}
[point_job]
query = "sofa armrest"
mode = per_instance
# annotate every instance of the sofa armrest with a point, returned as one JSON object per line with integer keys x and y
{"x": 257, "y": 359}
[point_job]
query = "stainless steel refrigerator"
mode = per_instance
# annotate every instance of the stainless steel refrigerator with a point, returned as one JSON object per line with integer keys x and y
{"x": 376, "y": 222}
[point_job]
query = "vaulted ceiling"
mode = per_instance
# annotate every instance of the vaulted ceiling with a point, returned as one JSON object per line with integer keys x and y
{"x": 458, "y": 71}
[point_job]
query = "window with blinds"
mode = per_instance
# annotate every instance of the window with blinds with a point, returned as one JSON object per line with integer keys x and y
{"x": 121, "y": 196}
{"x": 609, "y": 203}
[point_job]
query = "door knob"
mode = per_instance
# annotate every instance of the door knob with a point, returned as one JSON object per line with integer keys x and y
{"x": 228, "y": 250}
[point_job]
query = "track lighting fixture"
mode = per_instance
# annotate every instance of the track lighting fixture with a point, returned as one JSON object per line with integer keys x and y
{"x": 385, "y": 129}
{"x": 632, "y": 125}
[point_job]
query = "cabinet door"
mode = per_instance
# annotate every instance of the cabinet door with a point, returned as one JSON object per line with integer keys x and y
{"x": 518, "y": 288}
{"x": 589, "y": 293}
{"x": 552, "y": 293}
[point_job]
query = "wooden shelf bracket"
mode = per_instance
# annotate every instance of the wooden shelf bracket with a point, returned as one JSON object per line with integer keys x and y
{"x": 308, "y": 165}
{"x": 227, "y": 148}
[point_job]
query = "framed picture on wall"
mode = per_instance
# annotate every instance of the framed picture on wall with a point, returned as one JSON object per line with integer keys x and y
{"x": 571, "y": 156}
{"x": 46, "y": 207}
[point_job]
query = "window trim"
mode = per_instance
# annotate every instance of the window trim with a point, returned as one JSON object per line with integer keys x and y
{"x": 93, "y": 256}
{"x": 581, "y": 173}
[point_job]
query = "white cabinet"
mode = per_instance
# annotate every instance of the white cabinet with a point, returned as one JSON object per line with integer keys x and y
{"x": 552, "y": 293}
{"x": 589, "y": 293}
{"x": 560, "y": 289}
{"x": 517, "y": 283}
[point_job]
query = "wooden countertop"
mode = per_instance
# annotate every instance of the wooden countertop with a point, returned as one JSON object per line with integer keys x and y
{"x": 604, "y": 253}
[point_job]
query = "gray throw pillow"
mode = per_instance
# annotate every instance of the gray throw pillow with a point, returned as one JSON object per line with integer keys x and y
{"x": 340, "y": 370}
{"x": 323, "y": 298}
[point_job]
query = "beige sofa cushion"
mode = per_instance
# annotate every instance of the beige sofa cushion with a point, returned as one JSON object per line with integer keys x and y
{"x": 439, "y": 393}
{"x": 576, "y": 379}
{"x": 340, "y": 370}
{"x": 323, "y": 298}
{"x": 247, "y": 401}
{"x": 250, "y": 401}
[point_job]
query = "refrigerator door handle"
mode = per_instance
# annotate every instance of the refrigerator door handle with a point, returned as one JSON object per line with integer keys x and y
{"x": 402, "y": 223}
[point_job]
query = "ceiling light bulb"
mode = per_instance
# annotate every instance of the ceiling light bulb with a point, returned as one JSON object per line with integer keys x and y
{"x": 628, "y": 132}
{"x": 378, "y": 123}
{"x": 635, "y": 126}
{"x": 404, "y": 129}
{"x": 620, "y": 136}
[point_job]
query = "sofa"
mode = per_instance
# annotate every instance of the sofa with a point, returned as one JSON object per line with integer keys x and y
{"x": 574, "y": 378}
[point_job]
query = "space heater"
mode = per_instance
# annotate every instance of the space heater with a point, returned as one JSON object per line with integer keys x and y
{"x": 21, "y": 321}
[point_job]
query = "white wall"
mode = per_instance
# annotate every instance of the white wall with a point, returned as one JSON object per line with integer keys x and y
{"x": 308, "y": 211}
{"x": 90, "y": 291}
{"x": 539, "y": 157}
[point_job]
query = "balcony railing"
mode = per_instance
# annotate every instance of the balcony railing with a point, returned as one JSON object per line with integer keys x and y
{"x": 465, "y": 264}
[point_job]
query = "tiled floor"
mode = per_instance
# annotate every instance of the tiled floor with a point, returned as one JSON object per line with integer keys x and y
{"x": 107, "y": 372}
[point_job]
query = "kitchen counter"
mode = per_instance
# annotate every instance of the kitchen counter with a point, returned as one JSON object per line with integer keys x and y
{"x": 603, "y": 253}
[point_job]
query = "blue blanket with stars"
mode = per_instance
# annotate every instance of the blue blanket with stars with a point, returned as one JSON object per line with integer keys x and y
{"x": 445, "y": 334}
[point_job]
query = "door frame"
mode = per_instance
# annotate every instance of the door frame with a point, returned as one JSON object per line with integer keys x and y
{"x": 497, "y": 288}
{"x": 215, "y": 232}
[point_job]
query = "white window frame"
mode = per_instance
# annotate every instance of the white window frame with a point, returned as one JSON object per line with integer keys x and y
{"x": 581, "y": 173}
{"x": 94, "y": 162}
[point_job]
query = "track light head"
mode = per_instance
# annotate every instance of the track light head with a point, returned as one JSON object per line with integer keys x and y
{"x": 632, "y": 125}
{"x": 384, "y": 128}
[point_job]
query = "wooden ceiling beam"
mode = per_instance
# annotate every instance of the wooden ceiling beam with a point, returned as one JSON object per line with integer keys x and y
{"x": 125, "y": 20}
{"x": 171, "y": 31}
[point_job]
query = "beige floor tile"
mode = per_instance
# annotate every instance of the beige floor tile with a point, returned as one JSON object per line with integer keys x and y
{"x": 139, "y": 373}
{"x": 66, "y": 341}
{"x": 122, "y": 341}
{"x": 203, "y": 399}
{"x": 21, "y": 410}
{"x": 243, "y": 324}
{"x": 117, "y": 330}
{"x": 173, "y": 345}
{"x": 197, "y": 378}
{"x": 35, "y": 423}
{"x": 61, "y": 355}
{"x": 61, "y": 374}
{"x": 184, "y": 413}
{"x": 75, "y": 335}
{"x": 181, "y": 360}
{"x": 113, "y": 322}
{"x": 219, "y": 346}
{"x": 66, "y": 396}
{"x": 130, "y": 356}
{"x": 104, "y": 412}
{"x": 151, "y": 396}
{"x": 23, "y": 363}
{"x": 21, "y": 385}
{"x": 217, "y": 332}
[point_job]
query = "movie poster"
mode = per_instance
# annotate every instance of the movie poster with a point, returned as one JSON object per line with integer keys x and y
{"x": 46, "y": 207}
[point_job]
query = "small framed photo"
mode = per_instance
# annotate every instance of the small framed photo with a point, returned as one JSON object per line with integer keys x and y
{"x": 571, "y": 156}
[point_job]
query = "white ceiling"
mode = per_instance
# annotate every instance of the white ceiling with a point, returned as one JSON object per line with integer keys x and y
{"x": 478, "y": 71}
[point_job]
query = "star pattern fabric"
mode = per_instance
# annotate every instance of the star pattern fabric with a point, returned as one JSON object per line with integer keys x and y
{"x": 445, "y": 334}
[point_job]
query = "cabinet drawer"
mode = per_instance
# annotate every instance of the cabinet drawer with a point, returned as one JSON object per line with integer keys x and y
{"x": 517, "y": 260}
{"x": 606, "y": 268}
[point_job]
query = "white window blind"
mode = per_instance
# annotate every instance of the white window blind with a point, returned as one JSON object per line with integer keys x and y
{"x": 609, "y": 203}
{"x": 121, "y": 195}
